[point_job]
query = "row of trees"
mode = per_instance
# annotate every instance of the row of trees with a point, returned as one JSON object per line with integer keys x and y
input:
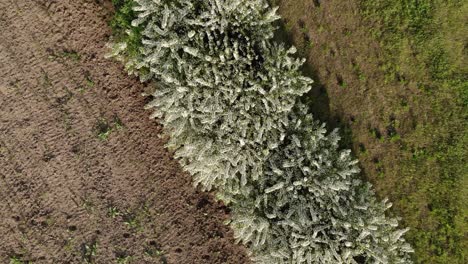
{"x": 227, "y": 95}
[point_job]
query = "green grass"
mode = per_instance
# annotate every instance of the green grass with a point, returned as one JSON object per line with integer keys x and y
{"x": 15, "y": 260}
{"x": 122, "y": 28}
{"x": 424, "y": 42}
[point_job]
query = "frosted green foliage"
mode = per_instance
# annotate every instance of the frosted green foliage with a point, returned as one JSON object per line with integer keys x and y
{"x": 310, "y": 207}
{"x": 225, "y": 33}
{"x": 227, "y": 97}
{"x": 224, "y": 90}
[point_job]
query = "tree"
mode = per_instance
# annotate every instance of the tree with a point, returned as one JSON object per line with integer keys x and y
{"x": 310, "y": 207}
{"x": 227, "y": 96}
{"x": 224, "y": 89}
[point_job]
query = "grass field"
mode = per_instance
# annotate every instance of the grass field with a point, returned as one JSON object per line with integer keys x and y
{"x": 393, "y": 76}
{"x": 425, "y": 41}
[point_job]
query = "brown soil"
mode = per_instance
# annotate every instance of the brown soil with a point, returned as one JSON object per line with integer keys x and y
{"x": 83, "y": 174}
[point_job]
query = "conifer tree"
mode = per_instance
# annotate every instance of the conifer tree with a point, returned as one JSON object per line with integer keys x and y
{"x": 310, "y": 207}
{"x": 224, "y": 88}
{"x": 227, "y": 96}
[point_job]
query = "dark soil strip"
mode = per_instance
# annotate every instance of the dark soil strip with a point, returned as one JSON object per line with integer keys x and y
{"x": 83, "y": 174}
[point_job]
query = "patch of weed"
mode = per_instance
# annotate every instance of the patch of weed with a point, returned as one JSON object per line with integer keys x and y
{"x": 104, "y": 128}
{"x": 132, "y": 221}
{"x": 153, "y": 250}
{"x": 124, "y": 259}
{"x": 17, "y": 260}
{"x": 122, "y": 28}
{"x": 73, "y": 55}
{"x": 113, "y": 212}
{"x": 88, "y": 205}
{"x": 89, "y": 252}
{"x": 88, "y": 80}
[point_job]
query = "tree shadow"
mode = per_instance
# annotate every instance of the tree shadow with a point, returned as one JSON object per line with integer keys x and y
{"x": 317, "y": 98}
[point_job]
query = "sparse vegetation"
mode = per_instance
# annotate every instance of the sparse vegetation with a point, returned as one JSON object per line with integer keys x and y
{"x": 425, "y": 43}
{"x": 124, "y": 259}
{"x": 131, "y": 221}
{"x": 104, "y": 128}
{"x": 63, "y": 55}
{"x": 16, "y": 260}
{"x": 88, "y": 204}
{"x": 89, "y": 252}
{"x": 417, "y": 121}
{"x": 89, "y": 81}
{"x": 72, "y": 55}
{"x": 113, "y": 212}
{"x": 152, "y": 250}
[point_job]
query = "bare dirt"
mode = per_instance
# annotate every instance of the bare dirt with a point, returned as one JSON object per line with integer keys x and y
{"x": 84, "y": 177}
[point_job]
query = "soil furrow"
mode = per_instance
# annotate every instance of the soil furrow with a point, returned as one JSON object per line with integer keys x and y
{"x": 83, "y": 173}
